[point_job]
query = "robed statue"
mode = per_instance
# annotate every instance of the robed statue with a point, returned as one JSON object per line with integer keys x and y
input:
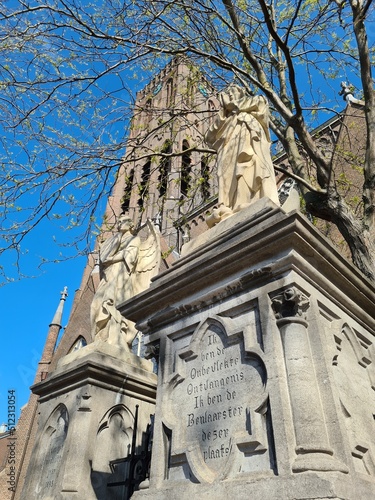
{"x": 127, "y": 265}
{"x": 240, "y": 135}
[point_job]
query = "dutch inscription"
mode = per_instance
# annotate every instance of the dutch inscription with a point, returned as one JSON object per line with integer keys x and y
{"x": 215, "y": 397}
{"x": 51, "y": 464}
{"x": 53, "y": 457}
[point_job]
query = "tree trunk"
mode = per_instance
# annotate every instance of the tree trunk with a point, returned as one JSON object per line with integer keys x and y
{"x": 331, "y": 207}
{"x": 359, "y": 11}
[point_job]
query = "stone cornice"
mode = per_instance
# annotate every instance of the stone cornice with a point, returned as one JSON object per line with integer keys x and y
{"x": 264, "y": 238}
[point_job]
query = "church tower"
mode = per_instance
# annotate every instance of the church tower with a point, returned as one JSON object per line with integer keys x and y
{"x": 167, "y": 164}
{"x": 170, "y": 116}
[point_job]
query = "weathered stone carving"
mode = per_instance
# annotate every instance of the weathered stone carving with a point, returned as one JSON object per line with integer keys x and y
{"x": 353, "y": 372}
{"x": 291, "y": 302}
{"x": 240, "y": 135}
{"x": 127, "y": 265}
{"x": 219, "y": 407}
{"x": 84, "y": 402}
{"x": 53, "y": 446}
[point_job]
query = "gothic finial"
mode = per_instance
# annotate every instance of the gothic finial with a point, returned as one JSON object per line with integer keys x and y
{"x": 59, "y": 311}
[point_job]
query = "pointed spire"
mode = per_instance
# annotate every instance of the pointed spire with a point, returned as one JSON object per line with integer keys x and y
{"x": 59, "y": 311}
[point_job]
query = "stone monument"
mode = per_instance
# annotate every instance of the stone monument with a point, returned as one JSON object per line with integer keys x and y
{"x": 264, "y": 337}
{"x": 95, "y": 411}
{"x": 96, "y": 407}
{"x": 266, "y": 351}
{"x": 265, "y": 341}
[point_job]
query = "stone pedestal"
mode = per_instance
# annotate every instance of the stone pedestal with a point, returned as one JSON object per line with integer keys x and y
{"x": 257, "y": 326}
{"x": 89, "y": 408}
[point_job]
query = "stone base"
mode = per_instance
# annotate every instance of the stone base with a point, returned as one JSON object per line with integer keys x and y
{"x": 266, "y": 368}
{"x": 327, "y": 486}
{"x": 106, "y": 353}
{"x": 255, "y": 212}
{"x": 88, "y": 407}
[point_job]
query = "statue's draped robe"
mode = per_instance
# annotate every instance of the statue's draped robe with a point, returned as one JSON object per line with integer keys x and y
{"x": 118, "y": 261}
{"x": 242, "y": 142}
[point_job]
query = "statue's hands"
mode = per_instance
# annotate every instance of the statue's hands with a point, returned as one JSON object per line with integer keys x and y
{"x": 230, "y": 107}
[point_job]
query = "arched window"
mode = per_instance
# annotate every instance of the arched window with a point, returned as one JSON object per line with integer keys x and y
{"x": 164, "y": 169}
{"x": 127, "y": 191}
{"x": 185, "y": 168}
{"x": 78, "y": 344}
{"x": 205, "y": 179}
{"x": 170, "y": 93}
{"x": 144, "y": 184}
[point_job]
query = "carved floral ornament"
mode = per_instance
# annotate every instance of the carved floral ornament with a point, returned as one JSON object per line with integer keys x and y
{"x": 290, "y": 302}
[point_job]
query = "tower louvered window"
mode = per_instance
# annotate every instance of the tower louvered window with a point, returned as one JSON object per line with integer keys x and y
{"x": 127, "y": 191}
{"x": 144, "y": 184}
{"x": 164, "y": 169}
{"x": 185, "y": 169}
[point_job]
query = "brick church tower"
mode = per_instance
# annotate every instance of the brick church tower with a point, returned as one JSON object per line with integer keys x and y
{"x": 170, "y": 116}
{"x": 168, "y": 174}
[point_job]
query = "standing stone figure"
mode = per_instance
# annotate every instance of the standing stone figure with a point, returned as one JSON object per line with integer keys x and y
{"x": 127, "y": 265}
{"x": 240, "y": 135}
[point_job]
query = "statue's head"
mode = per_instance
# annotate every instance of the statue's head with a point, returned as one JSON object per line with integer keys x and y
{"x": 235, "y": 92}
{"x": 125, "y": 223}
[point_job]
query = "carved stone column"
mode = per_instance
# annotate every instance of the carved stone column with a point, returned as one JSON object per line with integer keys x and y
{"x": 312, "y": 444}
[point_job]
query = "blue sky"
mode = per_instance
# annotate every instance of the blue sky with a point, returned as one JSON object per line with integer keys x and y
{"x": 27, "y": 308}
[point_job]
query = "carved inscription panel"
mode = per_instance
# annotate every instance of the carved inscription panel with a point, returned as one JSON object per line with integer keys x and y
{"x": 216, "y": 402}
{"x": 54, "y": 440}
